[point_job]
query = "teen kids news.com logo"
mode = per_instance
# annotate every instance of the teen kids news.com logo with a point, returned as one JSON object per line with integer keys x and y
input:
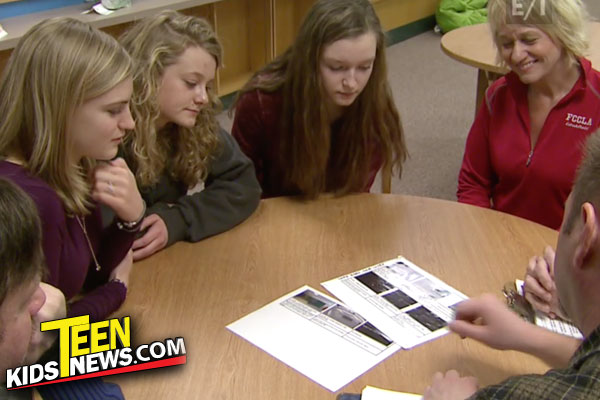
{"x": 97, "y": 349}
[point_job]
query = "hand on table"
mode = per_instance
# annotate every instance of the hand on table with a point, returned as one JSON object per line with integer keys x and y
{"x": 154, "y": 239}
{"x": 540, "y": 289}
{"x": 54, "y": 307}
{"x": 490, "y": 321}
{"x": 451, "y": 386}
{"x": 113, "y": 184}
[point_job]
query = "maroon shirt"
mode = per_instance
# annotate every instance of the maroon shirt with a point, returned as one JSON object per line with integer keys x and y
{"x": 256, "y": 127}
{"x": 67, "y": 253}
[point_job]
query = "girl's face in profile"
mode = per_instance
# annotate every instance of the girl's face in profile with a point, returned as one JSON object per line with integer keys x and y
{"x": 184, "y": 87}
{"x": 97, "y": 127}
{"x": 345, "y": 67}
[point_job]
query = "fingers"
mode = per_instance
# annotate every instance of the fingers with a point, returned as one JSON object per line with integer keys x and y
{"x": 537, "y": 303}
{"x": 153, "y": 240}
{"x": 114, "y": 185}
{"x": 119, "y": 162}
{"x": 148, "y": 221}
{"x": 480, "y": 307}
{"x": 467, "y": 329}
{"x": 450, "y": 386}
{"x": 533, "y": 287}
{"x": 540, "y": 270}
{"x": 549, "y": 255}
{"x": 143, "y": 252}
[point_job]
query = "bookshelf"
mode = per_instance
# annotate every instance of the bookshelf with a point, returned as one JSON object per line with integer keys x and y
{"x": 252, "y": 32}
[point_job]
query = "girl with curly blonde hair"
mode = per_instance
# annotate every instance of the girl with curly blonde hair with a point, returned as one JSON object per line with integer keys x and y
{"x": 177, "y": 143}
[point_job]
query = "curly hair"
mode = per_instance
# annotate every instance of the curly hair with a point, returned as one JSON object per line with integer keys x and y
{"x": 371, "y": 120}
{"x": 154, "y": 44}
{"x": 57, "y": 65}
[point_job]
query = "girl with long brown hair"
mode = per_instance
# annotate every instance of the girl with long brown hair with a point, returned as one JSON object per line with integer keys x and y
{"x": 321, "y": 117}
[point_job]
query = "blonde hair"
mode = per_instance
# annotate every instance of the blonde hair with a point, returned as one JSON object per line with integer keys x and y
{"x": 155, "y": 43}
{"x": 565, "y": 21}
{"x": 56, "y": 66}
{"x": 371, "y": 120}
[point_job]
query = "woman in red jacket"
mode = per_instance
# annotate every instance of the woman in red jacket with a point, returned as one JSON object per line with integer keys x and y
{"x": 525, "y": 144}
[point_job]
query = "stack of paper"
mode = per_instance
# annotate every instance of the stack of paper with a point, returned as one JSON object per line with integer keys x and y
{"x": 387, "y": 306}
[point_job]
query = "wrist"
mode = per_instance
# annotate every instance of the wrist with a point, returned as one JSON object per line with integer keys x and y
{"x": 119, "y": 281}
{"x": 132, "y": 226}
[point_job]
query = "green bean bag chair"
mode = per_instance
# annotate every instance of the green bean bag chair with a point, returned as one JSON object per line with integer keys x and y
{"x": 452, "y": 14}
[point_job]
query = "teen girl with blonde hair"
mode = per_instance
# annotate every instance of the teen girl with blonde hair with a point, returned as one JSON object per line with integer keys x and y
{"x": 64, "y": 98}
{"x": 177, "y": 143}
{"x": 321, "y": 117}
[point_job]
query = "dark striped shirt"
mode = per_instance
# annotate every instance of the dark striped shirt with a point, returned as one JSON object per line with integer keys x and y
{"x": 580, "y": 380}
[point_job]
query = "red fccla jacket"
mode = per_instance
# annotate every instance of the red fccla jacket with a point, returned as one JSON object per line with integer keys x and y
{"x": 501, "y": 170}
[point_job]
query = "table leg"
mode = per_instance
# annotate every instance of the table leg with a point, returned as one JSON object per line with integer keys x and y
{"x": 386, "y": 179}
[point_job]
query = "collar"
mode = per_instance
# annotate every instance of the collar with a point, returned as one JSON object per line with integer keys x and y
{"x": 589, "y": 348}
{"x": 520, "y": 89}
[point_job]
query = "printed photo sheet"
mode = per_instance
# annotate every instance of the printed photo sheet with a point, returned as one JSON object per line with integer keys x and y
{"x": 317, "y": 336}
{"x": 555, "y": 325}
{"x": 405, "y": 302}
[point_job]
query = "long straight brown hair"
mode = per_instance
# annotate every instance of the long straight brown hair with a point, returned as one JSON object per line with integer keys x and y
{"x": 372, "y": 119}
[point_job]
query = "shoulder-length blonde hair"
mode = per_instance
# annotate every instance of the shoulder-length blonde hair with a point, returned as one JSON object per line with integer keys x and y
{"x": 565, "y": 21}
{"x": 155, "y": 43}
{"x": 372, "y": 119}
{"x": 56, "y": 66}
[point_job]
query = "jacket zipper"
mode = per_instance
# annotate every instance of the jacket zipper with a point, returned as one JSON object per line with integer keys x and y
{"x": 529, "y": 158}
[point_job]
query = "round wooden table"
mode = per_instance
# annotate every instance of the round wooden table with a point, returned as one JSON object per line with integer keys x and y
{"x": 473, "y": 45}
{"x": 195, "y": 290}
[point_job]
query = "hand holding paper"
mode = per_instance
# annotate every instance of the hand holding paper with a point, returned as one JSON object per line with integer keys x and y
{"x": 490, "y": 321}
{"x": 539, "y": 287}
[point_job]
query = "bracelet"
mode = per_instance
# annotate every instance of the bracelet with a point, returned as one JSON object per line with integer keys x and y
{"x": 132, "y": 226}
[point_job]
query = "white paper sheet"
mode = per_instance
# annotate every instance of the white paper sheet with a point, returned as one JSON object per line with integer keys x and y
{"x": 317, "y": 336}
{"x": 373, "y": 393}
{"x": 554, "y": 325}
{"x": 405, "y": 302}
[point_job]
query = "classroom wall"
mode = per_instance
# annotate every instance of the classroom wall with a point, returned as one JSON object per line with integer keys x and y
{"x": 254, "y": 31}
{"x": 397, "y": 13}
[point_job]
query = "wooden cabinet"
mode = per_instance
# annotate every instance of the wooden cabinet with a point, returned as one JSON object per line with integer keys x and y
{"x": 252, "y": 32}
{"x": 245, "y": 30}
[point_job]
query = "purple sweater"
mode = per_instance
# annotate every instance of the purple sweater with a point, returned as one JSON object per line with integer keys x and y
{"x": 68, "y": 258}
